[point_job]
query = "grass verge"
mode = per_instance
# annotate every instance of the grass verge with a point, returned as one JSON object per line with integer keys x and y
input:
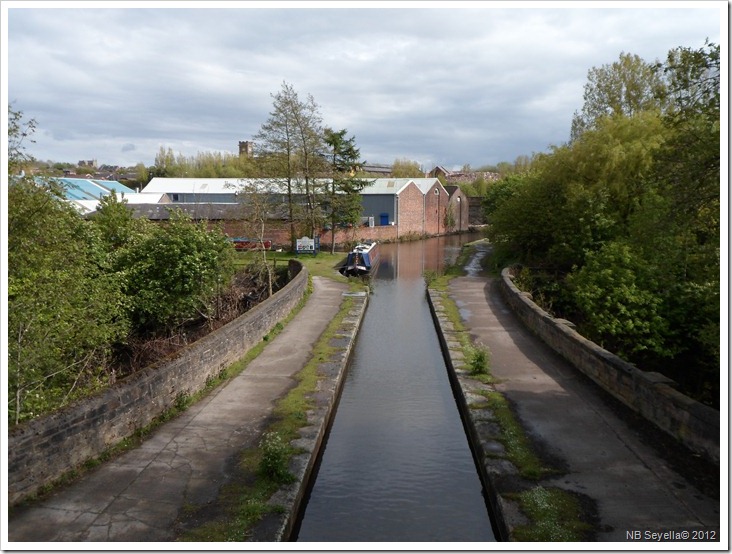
{"x": 556, "y": 516}
{"x": 513, "y": 437}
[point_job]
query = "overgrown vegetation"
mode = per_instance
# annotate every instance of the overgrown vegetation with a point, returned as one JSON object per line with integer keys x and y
{"x": 619, "y": 229}
{"x": 479, "y": 359}
{"x": 91, "y": 300}
{"x": 555, "y": 514}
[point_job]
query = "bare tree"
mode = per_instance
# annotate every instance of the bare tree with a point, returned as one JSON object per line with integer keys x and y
{"x": 290, "y": 144}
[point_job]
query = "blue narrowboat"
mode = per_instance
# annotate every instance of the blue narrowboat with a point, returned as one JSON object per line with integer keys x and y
{"x": 362, "y": 260}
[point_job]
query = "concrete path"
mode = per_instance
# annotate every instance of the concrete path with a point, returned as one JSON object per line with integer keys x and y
{"x": 138, "y": 496}
{"x": 633, "y": 486}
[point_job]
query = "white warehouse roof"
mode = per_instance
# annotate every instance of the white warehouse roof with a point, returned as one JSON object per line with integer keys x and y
{"x": 192, "y": 185}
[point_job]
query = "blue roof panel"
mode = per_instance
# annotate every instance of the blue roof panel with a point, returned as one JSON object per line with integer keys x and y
{"x": 86, "y": 189}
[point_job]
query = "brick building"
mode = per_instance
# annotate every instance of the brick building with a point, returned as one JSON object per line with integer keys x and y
{"x": 392, "y": 209}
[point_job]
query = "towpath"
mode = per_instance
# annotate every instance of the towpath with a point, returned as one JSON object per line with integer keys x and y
{"x": 636, "y": 479}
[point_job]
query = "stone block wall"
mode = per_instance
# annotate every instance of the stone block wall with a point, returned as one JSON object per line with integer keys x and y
{"x": 476, "y": 215}
{"x": 652, "y": 395}
{"x": 43, "y": 450}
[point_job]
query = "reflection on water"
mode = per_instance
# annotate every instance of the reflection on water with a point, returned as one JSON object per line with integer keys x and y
{"x": 397, "y": 465}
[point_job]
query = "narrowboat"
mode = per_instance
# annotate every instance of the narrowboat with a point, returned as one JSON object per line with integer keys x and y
{"x": 242, "y": 243}
{"x": 362, "y": 260}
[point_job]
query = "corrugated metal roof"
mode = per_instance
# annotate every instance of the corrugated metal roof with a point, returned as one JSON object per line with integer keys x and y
{"x": 143, "y": 198}
{"x": 426, "y": 183}
{"x": 89, "y": 189}
{"x": 395, "y": 186}
{"x": 86, "y": 193}
{"x": 189, "y": 185}
{"x": 86, "y": 206}
{"x": 386, "y": 186}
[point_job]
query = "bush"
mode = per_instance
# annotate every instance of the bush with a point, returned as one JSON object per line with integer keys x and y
{"x": 479, "y": 359}
{"x": 275, "y": 458}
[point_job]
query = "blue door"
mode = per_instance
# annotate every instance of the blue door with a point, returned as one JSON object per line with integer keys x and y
{"x": 384, "y": 219}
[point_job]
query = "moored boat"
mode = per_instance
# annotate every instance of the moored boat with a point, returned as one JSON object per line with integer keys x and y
{"x": 362, "y": 260}
{"x": 242, "y": 243}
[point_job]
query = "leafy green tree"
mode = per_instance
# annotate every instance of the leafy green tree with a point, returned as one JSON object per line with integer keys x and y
{"x": 500, "y": 191}
{"x": 165, "y": 164}
{"x": 625, "y": 87}
{"x": 621, "y": 312}
{"x": 629, "y": 212}
{"x": 174, "y": 273}
{"x": 404, "y": 168}
{"x": 579, "y": 196}
{"x": 115, "y": 222}
{"x": 343, "y": 203}
{"x": 65, "y": 309}
{"x": 521, "y": 164}
{"x": 688, "y": 167}
{"x": 679, "y": 233}
{"x": 142, "y": 175}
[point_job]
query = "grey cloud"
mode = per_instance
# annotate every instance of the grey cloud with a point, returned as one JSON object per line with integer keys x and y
{"x": 454, "y": 86}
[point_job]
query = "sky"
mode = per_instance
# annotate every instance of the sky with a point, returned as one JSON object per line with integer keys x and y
{"x": 450, "y": 84}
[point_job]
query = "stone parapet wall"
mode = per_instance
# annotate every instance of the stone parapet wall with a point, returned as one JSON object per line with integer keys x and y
{"x": 650, "y": 394}
{"x": 42, "y": 450}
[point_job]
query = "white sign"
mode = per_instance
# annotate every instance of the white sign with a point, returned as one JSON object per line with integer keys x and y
{"x": 305, "y": 244}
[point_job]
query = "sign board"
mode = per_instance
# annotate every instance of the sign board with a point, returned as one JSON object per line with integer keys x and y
{"x": 307, "y": 245}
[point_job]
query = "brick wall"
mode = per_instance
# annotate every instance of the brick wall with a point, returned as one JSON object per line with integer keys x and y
{"x": 650, "y": 394}
{"x": 461, "y": 211}
{"x": 411, "y": 218}
{"x": 418, "y": 214}
{"x": 42, "y": 450}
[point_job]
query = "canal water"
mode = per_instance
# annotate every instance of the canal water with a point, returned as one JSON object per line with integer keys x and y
{"x": 397, "y": 465}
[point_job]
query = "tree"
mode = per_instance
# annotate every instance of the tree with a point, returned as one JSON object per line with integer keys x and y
{"x": 19, "y": 130}
{"x": 625, "y": 87}
{"x": 116, "y": 225}
{"x": 290, "y": 142}
{"x": 255, "y": 198}
{"x": 404, "y": 168}
{"x": 500, "y": 191}
{"x": 688, "y": 166}
{"x": 622, "y": 310}
{"x": 309, "y": 131}
{"x": 627, "y": 216}
{"x": 343, "y": 205}
{"x": 174, "y": 272}
{"x": 65, "y": 309}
